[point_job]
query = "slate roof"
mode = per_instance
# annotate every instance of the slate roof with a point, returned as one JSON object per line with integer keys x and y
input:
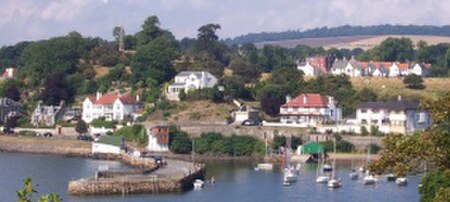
{"x": 395, "y": 105}
{"x": 198, "y": 74}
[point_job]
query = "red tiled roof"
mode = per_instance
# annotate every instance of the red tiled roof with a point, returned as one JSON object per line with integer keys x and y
{"x": 109, "y": 99}
{"x": 403, "y": 66}
{"x": 312, "y": 100}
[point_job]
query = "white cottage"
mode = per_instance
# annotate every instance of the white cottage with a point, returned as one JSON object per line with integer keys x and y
{"x": 310, "y": 110}
{"x": 109, "y": 106}
{"x": 190, "y": 80}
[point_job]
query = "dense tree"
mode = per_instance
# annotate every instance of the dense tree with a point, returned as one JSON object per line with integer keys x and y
{"x": 26, "y": 193}
{"x": 366, "y": 95}
{"x": 154, "y": 60}
{"x": 235, "y": 88}
{"x": 150, "y": 31}
{"x": 81, "y": 127}
{"x": 179, "y": 141}
{"x": 271, "y": 98}
{"x": 56, "y": 90}
{"x": 9, "y": 55}
{"x": 413, "y": 81}
{"x": 11, "y": 89}
{"x": 247, "y": 71}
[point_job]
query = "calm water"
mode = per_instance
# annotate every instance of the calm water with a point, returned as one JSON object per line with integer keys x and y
{"x": 235, "y": 181}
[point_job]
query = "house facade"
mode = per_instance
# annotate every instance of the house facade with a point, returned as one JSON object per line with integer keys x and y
{"x": 315, "y": 66}
{"x": 110, "y": 106}
{"x": 190, "y": 80}
{"x": 46, "y": 115}
{"x": 353, "y": 68}
{"x": 310, "y": 110}
{"x": 9, "y": 108}
{"x": 158, "y": 139}
{"x": 399, "y": 116}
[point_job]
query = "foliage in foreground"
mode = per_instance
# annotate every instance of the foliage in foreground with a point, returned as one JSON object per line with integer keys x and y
{"x": 26, "y": 194}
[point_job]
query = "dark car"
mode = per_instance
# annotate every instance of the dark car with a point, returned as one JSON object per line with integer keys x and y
{"x": 47, "y": 134}
{"x": 7, "y": 130}
{"x": 85, "y": 138}
{"x": 250, "y": 122}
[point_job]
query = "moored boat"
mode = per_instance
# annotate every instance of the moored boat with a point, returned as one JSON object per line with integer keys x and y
{"x": 401, "y": 181}
{"x": 198, "y": 184}
{"x": 353, "y": 175}
{"x": 390, "y": 177}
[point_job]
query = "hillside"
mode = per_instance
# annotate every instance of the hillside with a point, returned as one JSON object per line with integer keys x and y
{"x": 342, "y": 31}
{"x": 392, "y": 87}
{"x": 364, "y": 42}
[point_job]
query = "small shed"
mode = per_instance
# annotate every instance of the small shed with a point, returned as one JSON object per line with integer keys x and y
{"x": 312, "y": 148}
{"x": 107, "y": 145}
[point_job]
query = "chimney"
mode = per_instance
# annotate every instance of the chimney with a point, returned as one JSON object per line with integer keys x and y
{"x": 330, "y": 100}
{"x": 137, "y": 97}
{"x": 288, "y": 98}
{"x": 399, "y": 98}
{"x": 305, "y": 98}
{"x": 98, "y": 95}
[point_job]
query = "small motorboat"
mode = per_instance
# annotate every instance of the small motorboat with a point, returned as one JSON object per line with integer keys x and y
{"x": 401, "y": 181}
{"x": 322, "y": 179}
{"x": 390, "y": 177}
{"x": 334, "y": 183}
{"x": 327, "y": 168}
{"x": 264, "y": 166}
{"x": 198, "y": 184}
{"x": 353, "y": 175}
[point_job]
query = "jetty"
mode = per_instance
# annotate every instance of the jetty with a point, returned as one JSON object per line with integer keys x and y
{"x": 176, "y": 176}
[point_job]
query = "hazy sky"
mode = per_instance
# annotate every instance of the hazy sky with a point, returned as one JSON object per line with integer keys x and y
{"x": 40, "y": 19}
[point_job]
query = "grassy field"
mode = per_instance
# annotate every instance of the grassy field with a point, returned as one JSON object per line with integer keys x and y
{"x": 392, "y": 87}
{"x": 45, "y": 142}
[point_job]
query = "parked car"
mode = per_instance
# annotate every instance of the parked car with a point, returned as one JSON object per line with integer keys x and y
{"x": 250, "y": 122}
{"x": 7, "y": 130}
{"x": 47, "y": 134}
{"x": 85, "y": 138}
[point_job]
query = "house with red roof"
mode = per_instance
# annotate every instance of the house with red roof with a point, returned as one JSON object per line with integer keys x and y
{"x": 110, "y": 106}
{"x": 310, "y": 110}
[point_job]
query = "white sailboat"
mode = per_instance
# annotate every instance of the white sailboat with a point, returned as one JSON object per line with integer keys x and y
{"x": 321, "y": 177}
{"x": 353, "y": 175}
{"x": 334, "y": 182}
{"x": 290, "y": 172}
{"x": 198, "y": 184}
{"x": 401, "y": 181}
{"x": 369, "y": 179}
{"x": 264, "y": 166}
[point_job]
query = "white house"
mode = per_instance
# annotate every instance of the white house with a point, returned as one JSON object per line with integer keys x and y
{"x": 308, "y": 69}
{"x": 310, "y": 110}
{"x": 420, "y": 69}
{"x": 190, "y": 80}
{"x": 46, "y": 115}
{"x": 158, "y": 139}
{"x": 398, "y": 116}
{"x": 107, "y": 145}
{"x": 109, "y": 106}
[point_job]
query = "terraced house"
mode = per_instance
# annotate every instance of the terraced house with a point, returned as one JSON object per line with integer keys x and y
{"x": 399, "y": 116}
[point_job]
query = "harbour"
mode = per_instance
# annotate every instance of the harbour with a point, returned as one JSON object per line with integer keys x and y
{"x": 235, "y": 181}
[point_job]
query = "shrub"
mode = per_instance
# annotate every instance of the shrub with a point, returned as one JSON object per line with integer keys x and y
{"x": 101, "y": 122}
{"x": 364, "y": 131}
{"x": 373, "y": 148}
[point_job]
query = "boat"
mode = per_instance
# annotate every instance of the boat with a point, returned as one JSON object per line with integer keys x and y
{"x": 334, "y": 182}
{"x": 353, "y": 175}
{"x": 327, "y": 168}
{"x": 290, "y": 175}
{"x": 369, "y": 179}
{"x": 264, "y": 166}
{"x": 321, "y": 177}
{"x": 390, "y": 177}
{"x": 401, "y": 181}
{"x": 198, "y": 184}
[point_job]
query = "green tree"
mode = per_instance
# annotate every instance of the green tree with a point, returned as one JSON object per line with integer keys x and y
{"x": 366, "y": 95}
{"x": 26, "y": 193}
{"x": 271, "y": 98}
{"x": 396, "y": 49}
{"x": 81, "y": 127}
{"x": 413, "y": 81}
{"x": 179, "y": 141}
{"x": 154, "y": 60}
{"x": 56, "y": 90}
{"x": 150, "y": 31}
{"x": 278, "y": 141}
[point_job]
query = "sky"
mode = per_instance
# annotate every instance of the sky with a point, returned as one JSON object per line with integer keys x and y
{"x": 25, "y": 20}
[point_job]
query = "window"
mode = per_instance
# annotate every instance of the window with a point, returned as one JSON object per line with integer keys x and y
{"x": 375, "y": 111}
{"x": 331, "y": 113}
{"x": 374, "y": 121}
{"x": 363, "y": 121}
{"x": 363, "y": 110}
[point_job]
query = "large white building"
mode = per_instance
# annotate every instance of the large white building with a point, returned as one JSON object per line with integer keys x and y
{"x": 398, "y": 116}
{"x": 310, "y": 110}
{"x": 190, "y": 80}
{"x": 158, "y": 139}
{"x": 109, "y": 106}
